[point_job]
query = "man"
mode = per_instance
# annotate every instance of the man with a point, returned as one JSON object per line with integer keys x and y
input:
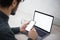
{"x": 8, "y": 7}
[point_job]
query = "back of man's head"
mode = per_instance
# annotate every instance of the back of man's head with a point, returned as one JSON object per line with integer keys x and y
{"x": 7, "y": 3}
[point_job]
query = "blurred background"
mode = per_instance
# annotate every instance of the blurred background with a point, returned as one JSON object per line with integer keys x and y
{"x": 26, "y": 10}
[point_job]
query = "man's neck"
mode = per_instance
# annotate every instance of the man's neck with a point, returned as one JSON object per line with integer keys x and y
{"x": 5, "y": 11}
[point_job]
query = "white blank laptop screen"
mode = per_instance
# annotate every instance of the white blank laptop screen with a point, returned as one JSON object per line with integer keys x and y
{"x": 43, "y": 21}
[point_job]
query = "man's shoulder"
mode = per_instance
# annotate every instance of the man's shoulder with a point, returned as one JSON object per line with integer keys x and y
{"x": 1, "y": 20}
{"x": 4, "y": 27}
{"x": 2, "y": 23}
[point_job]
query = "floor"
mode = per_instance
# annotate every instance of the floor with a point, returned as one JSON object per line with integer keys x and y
{"x": 55, "y": 34}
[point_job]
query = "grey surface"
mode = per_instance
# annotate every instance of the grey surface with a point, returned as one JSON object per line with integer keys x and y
{"x": 55, "y": 34}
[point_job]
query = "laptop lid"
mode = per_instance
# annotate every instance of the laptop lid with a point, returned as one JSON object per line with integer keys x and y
{"x": 43, "y": 21}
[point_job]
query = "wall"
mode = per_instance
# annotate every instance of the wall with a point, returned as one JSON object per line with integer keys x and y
{"x": 26, "y": 10}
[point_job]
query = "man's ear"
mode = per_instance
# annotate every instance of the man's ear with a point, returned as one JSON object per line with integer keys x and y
{"x": 14, "y": 3}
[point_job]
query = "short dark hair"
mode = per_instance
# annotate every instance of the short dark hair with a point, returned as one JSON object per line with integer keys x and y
{"x": 7, "y": 3}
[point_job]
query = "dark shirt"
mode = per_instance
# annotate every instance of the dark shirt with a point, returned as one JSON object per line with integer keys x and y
{"x": 6, "y": 33}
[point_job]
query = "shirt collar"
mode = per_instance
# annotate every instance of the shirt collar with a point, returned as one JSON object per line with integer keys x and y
{"x": 3, "y": 16}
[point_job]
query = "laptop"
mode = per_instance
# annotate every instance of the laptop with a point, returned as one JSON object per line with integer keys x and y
{"x": 43, "y": 24}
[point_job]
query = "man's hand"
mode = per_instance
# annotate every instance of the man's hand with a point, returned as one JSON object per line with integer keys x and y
{"x": 22, "y": 28}
{"x": 32, "y": 34}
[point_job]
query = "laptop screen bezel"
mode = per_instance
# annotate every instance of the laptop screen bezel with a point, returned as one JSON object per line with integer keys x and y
{"x": 47, "y": 15}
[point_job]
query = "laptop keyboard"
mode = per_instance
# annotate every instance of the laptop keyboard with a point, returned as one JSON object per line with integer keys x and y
{"x": 40, "y": 32}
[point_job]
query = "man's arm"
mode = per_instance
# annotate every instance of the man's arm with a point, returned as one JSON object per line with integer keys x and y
{"x": 20, "y": 29}
{"x": 16, "y": 30}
